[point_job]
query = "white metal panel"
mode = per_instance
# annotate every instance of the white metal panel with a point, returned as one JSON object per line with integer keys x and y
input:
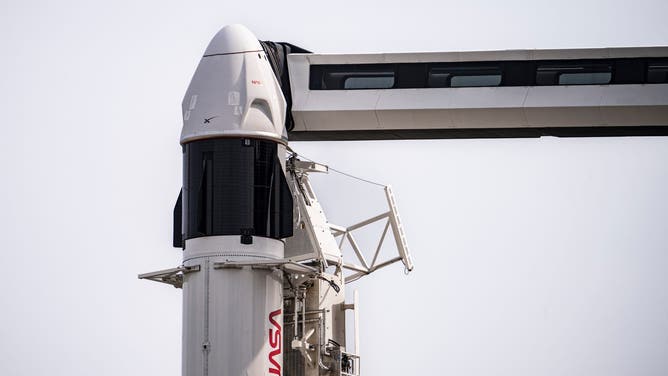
{"x": 226, "y": 312}
{"x": 233, "y": 39}
{"x": 499, "y": 107}
{"x": 642, "y": 104}
{"x": 635, "y": 95}
{"x": 487, "y": 107}
{"x": 500, "y": 55}
{"x": 312, "y": 235}
{"x": 556, "y": 106}
{"x": 234, "y": 93}
{"x": 624, "y": 52}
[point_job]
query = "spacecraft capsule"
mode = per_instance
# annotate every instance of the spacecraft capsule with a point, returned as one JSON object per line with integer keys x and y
{"x": 234, "y": 92}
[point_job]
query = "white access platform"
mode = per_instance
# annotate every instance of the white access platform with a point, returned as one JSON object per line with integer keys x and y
{"x": 520, "y": 93}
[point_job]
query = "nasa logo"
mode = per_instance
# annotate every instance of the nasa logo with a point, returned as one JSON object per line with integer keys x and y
{"x": 274, "y": 343}
{"x": 256, "y": 82}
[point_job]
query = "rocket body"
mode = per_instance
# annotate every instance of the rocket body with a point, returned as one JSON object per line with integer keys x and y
{"x": 232, "y": 318}
{"x": 236, "y": 206}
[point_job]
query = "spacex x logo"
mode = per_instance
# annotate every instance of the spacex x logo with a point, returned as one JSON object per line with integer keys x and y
{"x": 208, "y": 120}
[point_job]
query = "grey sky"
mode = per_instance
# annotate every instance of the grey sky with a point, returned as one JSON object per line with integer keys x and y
{"x": 533, "y": 257}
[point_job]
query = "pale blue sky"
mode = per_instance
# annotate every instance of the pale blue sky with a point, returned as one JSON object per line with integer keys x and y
{"x": 533, "y": 257}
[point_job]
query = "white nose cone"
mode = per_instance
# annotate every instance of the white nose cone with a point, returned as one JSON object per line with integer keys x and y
{"x": 233, "y": 39}
{"x": 234, "y": 92}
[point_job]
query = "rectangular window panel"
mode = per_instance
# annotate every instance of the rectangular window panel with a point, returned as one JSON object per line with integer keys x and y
{"x": 575, "y": 73}
{"x": 369, "y": 82}
{"x": 353, "y": 76}
{"x": 438, "y": 79}
{"x": 464, "y": 76}
{"x": 657, "y": 73}
{"x": 476, "y": 81}
{"x": 601, "y": 78}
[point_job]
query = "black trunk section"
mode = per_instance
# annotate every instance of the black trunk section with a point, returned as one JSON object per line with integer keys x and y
{"x": 233, "y": 187}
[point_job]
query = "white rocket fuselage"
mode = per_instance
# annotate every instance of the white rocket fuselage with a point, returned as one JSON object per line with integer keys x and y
{"x": 236, "y": 207}
{"x": 232, "y": 318}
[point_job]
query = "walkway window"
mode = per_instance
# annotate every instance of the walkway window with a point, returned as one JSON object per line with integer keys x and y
{"x": 464, "y": 76}
{"x": 574, "y": 74}
{"x": 381, "y": 81}
{"x": 602, "y": 78}
{"x": 657, "y": 73}
{"x": 474, "y": 81}
{"x": 357, "y": 76}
